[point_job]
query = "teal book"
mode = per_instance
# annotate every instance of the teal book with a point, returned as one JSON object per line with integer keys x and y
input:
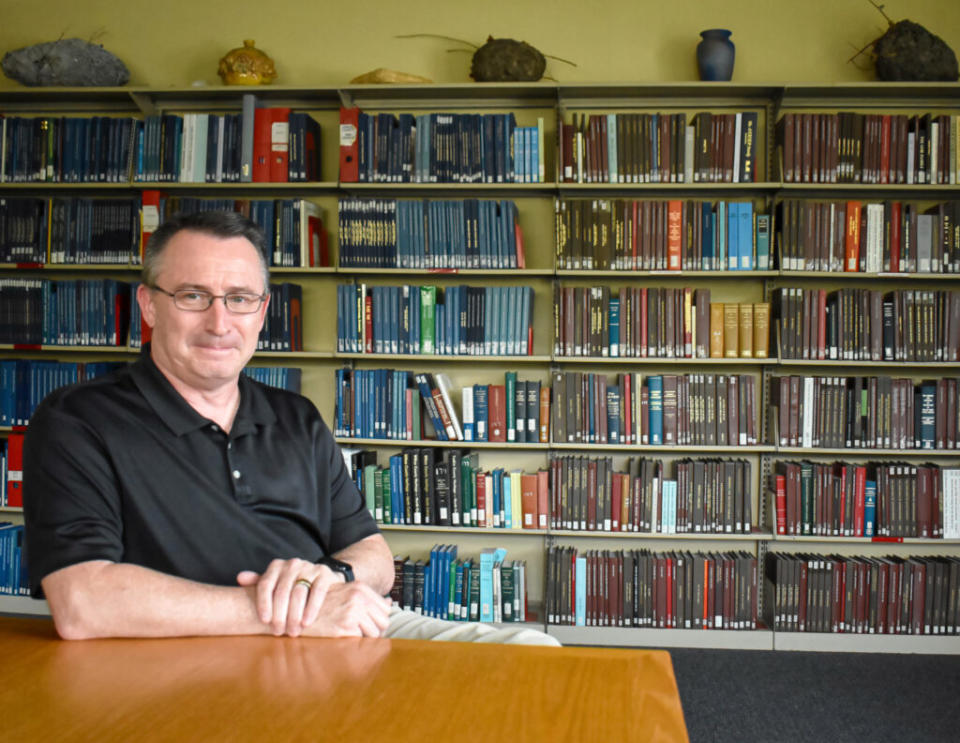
{"x": 510, "y": 383}
{"x": 486, "y": 584}
{"x": 614, "y": 326}
{"x": 763, "y": 242}
{"x": 655, "y": 391}
{"x": 745, "y": 236}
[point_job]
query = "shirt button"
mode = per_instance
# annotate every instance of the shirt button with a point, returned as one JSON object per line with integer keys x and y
{"x": 214, "y": 427}
{"x": 229, "y": 445}
{"x": 236, "y": 474}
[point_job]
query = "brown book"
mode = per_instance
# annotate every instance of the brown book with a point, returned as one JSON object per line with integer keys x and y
{"x": 731, "y": 327}
{"x": 746, "y": 331}
{"x": 669, "y": 409}
{"x": 716, "y": 330}
{"x": 761, "y": 330}
{"x": 701, "y": 315}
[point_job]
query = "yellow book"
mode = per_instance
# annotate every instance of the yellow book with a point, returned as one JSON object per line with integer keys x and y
{"x": 761, "y": 330}
{"x": 716, "y": 330}
{"x": 746, "y": 331}
{"x": 731, "y": 330}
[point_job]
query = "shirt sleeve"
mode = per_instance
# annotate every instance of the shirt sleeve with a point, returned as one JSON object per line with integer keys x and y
{"x": 350, "y": 520}
{"x": 71, "y": 505}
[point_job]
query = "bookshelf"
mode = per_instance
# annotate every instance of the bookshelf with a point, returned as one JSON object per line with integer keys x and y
{"x": 536, "y": 204}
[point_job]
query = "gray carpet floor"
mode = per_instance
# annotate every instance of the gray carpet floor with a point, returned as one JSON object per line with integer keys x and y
{"x": 782, "y": 697}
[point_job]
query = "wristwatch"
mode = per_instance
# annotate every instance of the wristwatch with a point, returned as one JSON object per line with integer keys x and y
{"x": 338, "y": 566}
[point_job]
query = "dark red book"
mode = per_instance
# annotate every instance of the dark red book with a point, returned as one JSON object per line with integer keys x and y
{"x": 15, "y": 470}
{"x": 497, "y": 412}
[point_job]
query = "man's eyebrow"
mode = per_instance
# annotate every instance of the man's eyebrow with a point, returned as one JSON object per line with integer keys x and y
{"x": 229, "y": 290}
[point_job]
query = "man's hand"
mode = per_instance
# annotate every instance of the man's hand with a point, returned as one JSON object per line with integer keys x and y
{"x": 284, "y": 601}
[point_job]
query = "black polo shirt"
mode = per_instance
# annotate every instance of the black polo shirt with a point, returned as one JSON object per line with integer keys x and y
{"x": 121, "y": 468}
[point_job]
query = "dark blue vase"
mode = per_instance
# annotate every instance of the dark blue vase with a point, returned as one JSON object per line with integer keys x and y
{"x": 715, "y": 55}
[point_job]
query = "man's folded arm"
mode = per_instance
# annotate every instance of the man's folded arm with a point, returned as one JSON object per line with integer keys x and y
{"x": 99, "y": 598}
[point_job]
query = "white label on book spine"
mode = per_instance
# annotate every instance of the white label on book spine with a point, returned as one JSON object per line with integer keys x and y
{"x": 151, "y": 218}
{"x": 348, "y": 135}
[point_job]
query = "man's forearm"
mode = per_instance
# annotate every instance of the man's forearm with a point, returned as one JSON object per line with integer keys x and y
{"x": 372, "y": 562}
{"x": 105, "y": 599}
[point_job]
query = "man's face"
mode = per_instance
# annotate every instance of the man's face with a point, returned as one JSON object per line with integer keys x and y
{"x": 204, "y": 350}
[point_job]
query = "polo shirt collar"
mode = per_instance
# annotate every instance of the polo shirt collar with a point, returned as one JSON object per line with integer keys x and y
{"x": 178, "y": 415}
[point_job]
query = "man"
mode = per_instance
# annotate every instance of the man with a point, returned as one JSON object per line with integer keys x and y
{"x": 178, "y": 497}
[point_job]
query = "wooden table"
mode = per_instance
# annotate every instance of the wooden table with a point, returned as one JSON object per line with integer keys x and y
{"x": 268, "y": 689}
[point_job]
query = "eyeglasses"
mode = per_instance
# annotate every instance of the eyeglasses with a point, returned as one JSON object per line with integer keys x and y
{"x": 197, "y": 300}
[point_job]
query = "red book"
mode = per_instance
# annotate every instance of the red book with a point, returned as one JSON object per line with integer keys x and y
{"x": 780, "y": 495}
{"x": 852, "y": 252}
{"x": 616, "y": 501}
{"x": 529, "y": 501}
{"x": 481, "y": 499}
{"x": 349, "y": 145}
{"x": 895, "y": 236}
{"x": 497, "y": 412}
{"x": 368, "y": 323}
{"x": 262, "y": 123}
{"x": 859, "y": 500}
{"x": 885, "y": 148}
{"x": 674, "y": 234}
{"x": 279, "y": 144}
{"x": 15, "y": 470}
{"x": 543, "y": 498}
{"x": 521, "y": 253}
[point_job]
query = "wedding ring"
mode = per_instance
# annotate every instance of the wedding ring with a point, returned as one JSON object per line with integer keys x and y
{"x": 308, "y": 584}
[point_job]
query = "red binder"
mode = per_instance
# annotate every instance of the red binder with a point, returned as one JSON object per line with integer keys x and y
{"x": 349, "y": 145}
{"x": 279, "y": 144}
{"x": 15, "y": 470}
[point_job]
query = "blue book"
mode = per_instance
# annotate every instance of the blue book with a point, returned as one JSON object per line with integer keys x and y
{"x": 497, "y": 481}
{"x": 396, "y": 489}
{"x": 745, "y": 236}
{"x": 707, "y": 245}
{"x": 580, "y": 599}
{"x": 612, "y": 147}
{"x": 481, "y": 411}
{"x": 458, "y": 592}
{"x": 733, "y": 236}
{"x": 720, "y": 225}
{"x": 487, "y": 558}
{"x": 655, "y": 399}
{"x": 870, "y": 509}
{"x": 507, "y": 521}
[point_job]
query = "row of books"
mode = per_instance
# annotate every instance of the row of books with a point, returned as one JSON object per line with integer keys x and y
{"x": 661, "y": 235}
{"x": 872, "y": 237}
{"x": 13, "y": 564}
{"x": 639, "y": 588}
{"x": 285, "y": 377}
{"x": 850, "y": 147}
{"x": 295, "y": 233}
{"x": 438, "y": 148}
{"x": 656, "y": 410}
{"x": 659, "y": 148}
{"x": 453, "y": 320}
{"x": 864, "y": 412}
{"x": 259, "y": 145}
{"x": 868, "y": 324}
{"x": 487, "y": 588}
{"x": 24, "y": 384}
{"x": 283, "y": 323}
{"x": 866, "y": 500}
{"x": 466, "y": 233}
{"x": 386, "y": 403}
{"x": 94, "y": 312}
{"x": 654, "y": 322}
{"x": 69, "y": 230}
{"x": 889, "y": 595}
{"x": 706, "y": 496}
{"x": 421, "y": 485}
{"x": 67, "y": 149}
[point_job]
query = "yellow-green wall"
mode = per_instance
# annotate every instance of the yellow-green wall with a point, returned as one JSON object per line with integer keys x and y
{"x": 177, "y": 42}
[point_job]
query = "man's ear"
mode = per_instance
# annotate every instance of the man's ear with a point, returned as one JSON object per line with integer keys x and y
{"x": 147, "y": 308}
